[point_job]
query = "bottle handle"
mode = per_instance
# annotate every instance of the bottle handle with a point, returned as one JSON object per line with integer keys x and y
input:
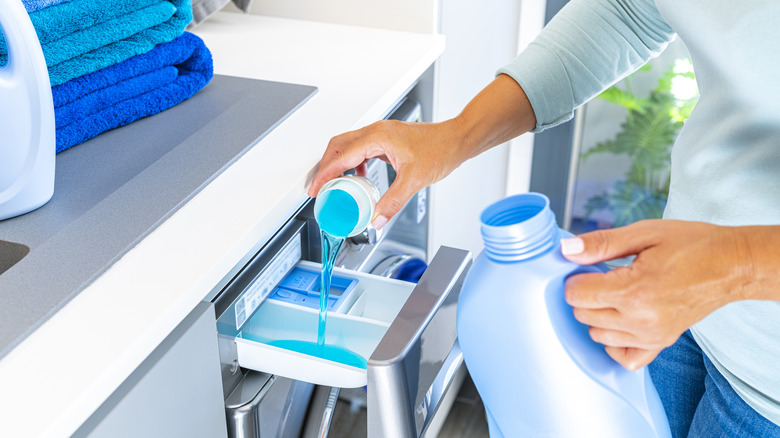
{"x": 590, "y": 356}
{"x": 27, "y": 152}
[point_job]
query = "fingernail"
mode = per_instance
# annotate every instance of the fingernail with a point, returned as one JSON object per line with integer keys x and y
{"x": 379, "y": 222}
{"x": 572, "y": 245}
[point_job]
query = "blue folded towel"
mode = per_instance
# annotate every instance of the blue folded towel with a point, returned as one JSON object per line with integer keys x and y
{"x": 37, "y": 5}
{"x": 82, "y": 36}
{"x": 138, "y": 87}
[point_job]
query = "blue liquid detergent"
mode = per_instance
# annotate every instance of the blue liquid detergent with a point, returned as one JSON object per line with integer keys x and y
{"x": 329, "y": 352}
{"x": 330, "y": 248}
{"x": 339, "y": 214}
{"x": 337, "y": 218}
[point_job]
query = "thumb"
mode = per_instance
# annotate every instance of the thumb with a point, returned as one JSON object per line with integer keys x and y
{"x": 392, "y": 201}
{"x": 602, "y": 245}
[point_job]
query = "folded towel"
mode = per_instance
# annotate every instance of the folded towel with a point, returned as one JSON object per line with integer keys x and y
{"x": 82, "y": 36}
{"x": 138, "y": 87}
{"x": 37, "y": 5}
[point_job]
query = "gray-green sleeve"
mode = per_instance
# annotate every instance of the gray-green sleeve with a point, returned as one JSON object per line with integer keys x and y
{"x": 588, "y": 46}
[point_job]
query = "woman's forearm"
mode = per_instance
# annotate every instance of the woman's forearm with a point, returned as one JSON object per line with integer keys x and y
{"x": 499, "y": 113}
{"x": 424, "y": 153}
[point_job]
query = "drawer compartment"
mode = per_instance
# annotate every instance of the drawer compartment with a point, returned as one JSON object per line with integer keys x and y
{"x": 281, "y": 338}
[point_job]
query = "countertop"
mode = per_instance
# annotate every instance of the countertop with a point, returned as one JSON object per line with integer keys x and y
{"x": 54, "y": 379}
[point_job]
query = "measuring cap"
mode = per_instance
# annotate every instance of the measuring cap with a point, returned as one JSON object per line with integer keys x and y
{"x": 345, "y": 205}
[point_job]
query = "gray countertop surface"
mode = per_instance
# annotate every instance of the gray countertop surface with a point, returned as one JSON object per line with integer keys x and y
{"x": 113, "y": 190}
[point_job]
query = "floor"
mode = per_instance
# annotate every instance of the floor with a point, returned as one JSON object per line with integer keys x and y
{"x": 467, "y": 416}
{"x": 465, "y": 420}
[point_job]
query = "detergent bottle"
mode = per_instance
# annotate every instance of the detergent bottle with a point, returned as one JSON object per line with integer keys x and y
{"x": 345, "y": 205}
{"x": 27, "y": 141}
{"x": 534, "y": 365}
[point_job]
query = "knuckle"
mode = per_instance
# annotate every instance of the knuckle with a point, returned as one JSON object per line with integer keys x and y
{"x": 383, "y": 129}
{"x": 656, "y": 336}
{"x": 600, "y": 240}
{"x": 652, "y": 319}
{"x": 569, "y": 293}
{"x": 597, "y": 335}
{"x": 394, "y": 205}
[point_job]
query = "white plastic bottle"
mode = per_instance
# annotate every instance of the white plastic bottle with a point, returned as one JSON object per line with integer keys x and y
{"x": 535, "y": 366}
{"x": 27, "y": 141}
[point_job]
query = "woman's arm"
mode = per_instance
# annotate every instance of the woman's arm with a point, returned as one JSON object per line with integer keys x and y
{"x": 424, "y": 153}
{"x": 588, "y": 46}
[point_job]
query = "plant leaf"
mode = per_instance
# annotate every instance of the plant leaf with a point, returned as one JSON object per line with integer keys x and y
{"x": 631, "y": 203}
{"x": 623, "y": 98}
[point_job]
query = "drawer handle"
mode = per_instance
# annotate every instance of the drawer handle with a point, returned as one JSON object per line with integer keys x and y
{"x": 400, "y": 374}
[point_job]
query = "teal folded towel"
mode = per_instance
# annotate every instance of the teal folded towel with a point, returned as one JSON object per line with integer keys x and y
{"x": 141, "y": 86}
{"x": 82, "y": 36}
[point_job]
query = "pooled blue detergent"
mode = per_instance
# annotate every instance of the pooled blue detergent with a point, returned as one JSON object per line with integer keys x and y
{"x": 328, "y": 352}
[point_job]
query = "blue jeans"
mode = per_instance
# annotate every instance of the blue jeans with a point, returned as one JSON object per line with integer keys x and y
{"x": 698, "y": 400}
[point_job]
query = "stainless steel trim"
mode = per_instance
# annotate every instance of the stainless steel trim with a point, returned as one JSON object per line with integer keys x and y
{"x": 263, "y": 405}
{"x": 327, "y": 415}
{"x": 405, "y": 381}
{"x": 241, "y": 406}
{"x": 427, "y": 410}
{"x": 320, "y": 412}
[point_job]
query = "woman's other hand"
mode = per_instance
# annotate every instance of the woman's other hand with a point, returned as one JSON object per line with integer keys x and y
{"x": 421, "y": 154}
{"x": 683, "y": 271}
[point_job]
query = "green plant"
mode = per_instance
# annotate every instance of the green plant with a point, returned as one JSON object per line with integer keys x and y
{"x": 646, "y": 137}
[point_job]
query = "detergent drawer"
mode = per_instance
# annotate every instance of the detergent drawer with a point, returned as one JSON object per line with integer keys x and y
{"x": 395, "y": 338}
{"x": 281, "y": 337}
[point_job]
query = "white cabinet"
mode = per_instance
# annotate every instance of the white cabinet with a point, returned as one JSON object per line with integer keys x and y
{"x": 176, "y": 391}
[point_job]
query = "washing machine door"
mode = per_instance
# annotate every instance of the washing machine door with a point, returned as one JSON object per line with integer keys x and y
{"x": 406, "y": 267}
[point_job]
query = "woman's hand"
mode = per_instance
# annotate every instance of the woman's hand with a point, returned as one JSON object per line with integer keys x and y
{"x": 421, "y": 154}
{"x": 683, "y": 271}
{"x": 424, "y": 153}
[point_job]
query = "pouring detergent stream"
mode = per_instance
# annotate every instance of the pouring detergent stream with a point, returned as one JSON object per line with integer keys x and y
{"x": 343, "y": 208}
{"x": 337, "y": 218}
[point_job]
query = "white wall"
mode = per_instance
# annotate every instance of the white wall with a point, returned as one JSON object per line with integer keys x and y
{"x": 404, "y": 15}
{"x": 481, "y": 37}
{"x": 521, "y": 149}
